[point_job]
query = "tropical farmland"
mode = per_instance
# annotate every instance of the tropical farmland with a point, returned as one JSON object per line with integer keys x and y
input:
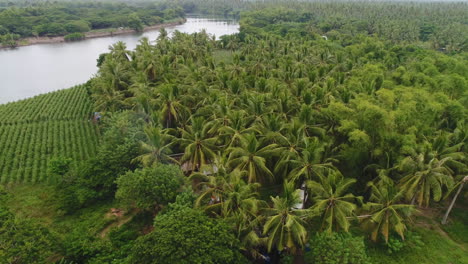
{"x": 321, "y": 132}
{"x": 36, "y": 130}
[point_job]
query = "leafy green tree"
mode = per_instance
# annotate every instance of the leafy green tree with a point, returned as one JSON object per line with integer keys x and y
{"x": 150, "y": 188}
{"x": 187, "y": 236}
{"x": 134, "y": 22}
{"x": 77, "y": 26}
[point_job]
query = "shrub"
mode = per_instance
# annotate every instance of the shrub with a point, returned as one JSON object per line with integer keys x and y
{"x": 337, "y": 248}
{"x": 187, "y": 236}
{"x": 74, "y": 36}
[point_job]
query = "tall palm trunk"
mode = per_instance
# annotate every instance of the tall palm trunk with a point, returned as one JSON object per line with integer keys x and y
{"x": 444, "y": 220}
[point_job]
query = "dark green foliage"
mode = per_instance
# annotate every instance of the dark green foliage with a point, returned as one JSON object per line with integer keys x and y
{"x": 59, "y": 166}
{"x": 187, "y": 236}
{"x": 77, "y": 26}
{"x": 95, "y": 178}
{"x": 74, "y": 36}
{"x": 150, "y": 188}
{"x": 336, "y": 248}
{"x": 56, "y": 19}
{"x": 23, "y": 240}
{"x": 134, "y": 22}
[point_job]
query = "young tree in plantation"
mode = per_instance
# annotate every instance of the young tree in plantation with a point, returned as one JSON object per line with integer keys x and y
{"x": 150, "y": 188}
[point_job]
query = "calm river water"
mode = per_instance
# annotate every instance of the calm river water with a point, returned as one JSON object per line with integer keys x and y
{"x": 32, "y": 70}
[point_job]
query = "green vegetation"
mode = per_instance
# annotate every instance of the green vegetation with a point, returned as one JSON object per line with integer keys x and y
{"x": 313, "y": 135}
{"x": 36, "y": 130}
{"x": 74, "y": 36}
{"x": 66, "y": 18}
{"x": 337, "y": 248}
{"x": 186, "y": 228}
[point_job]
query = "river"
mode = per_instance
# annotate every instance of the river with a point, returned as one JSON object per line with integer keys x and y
{"x": 32, "y": 70}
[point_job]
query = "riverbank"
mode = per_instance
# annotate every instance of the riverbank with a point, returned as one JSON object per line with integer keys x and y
{"x": 89, "y": 35}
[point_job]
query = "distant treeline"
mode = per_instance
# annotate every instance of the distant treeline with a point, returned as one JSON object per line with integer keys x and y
{"x": 442, "y": 25}
{"x": 61, "y": 18}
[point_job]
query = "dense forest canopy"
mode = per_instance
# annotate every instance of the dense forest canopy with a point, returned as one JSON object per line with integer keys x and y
{"x": 320, "y": 125}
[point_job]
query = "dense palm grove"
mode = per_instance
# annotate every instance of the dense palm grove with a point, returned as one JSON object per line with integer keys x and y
{"x": 275, "y": 144}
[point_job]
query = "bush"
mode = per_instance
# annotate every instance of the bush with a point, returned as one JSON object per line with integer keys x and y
{"x": 337, "y": 248}
{"x": 150, "y": 187}
{"x": 74, "y": 36}
{"x": 187, "y": 236}
{"x": 77, "y": 26}
{"x": 396, "y": 244}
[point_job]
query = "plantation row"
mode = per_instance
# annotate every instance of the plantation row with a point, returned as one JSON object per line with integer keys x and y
{"x": 68, "y": 104}
{"x": 27, "y": 147}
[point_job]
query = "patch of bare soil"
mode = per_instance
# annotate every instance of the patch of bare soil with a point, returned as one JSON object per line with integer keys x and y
{"x": 121, "y": 217}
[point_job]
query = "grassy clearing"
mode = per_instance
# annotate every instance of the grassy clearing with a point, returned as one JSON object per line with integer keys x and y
{"x": 438, "y": 246}
{"x": 36, "y": 201}
{"x": 457, "y": 227}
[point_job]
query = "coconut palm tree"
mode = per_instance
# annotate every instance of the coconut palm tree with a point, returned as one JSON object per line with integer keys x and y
{"x": 387, "y": 213}
{"x": 424, "y": 178}
{"x": 310, "y": 162}
{"x": 460, "y": 187}
{"x": 200, "y": 146}
{"x": 251, "y": 157}
{"x": 172, "y": 109}
{"x": 157, "y": 147}
{"x": 284, "y": 226}
{"x": 331, "y": 201}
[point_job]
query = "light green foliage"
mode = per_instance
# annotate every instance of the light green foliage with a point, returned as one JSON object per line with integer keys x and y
{"x": 33, "y": 131}
{"x": 150, "y": 188}
{"x": 336, "y": 248}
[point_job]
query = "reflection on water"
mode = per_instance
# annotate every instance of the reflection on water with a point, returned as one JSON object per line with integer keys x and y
{"x": 32, "y": 70}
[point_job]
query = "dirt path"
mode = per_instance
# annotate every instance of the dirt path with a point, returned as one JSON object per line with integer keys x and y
{"x": 88, "y": 35}
{"x": 119, "y": 221}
